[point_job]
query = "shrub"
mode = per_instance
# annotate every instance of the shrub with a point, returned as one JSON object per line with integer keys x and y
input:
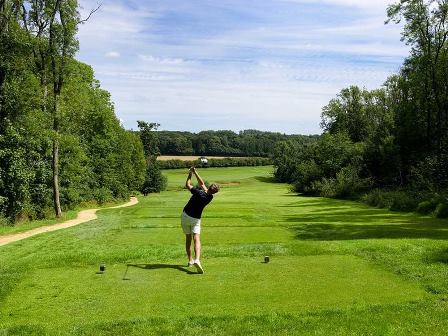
{"x": 3, "y": 203}
{"x": 103, "y": 195}
{"x": 307, "y": 173}
{"x": 154, "y": 181}
{"x": 403, "y": 201}
{"x": 426, "y": 207}
{"x": 347, "y": 184}
{"x": 4, "y": 221}
{"x": 374, "y": 198}
{"x": 395, "y": 200}
{"x": 442, "y": 210}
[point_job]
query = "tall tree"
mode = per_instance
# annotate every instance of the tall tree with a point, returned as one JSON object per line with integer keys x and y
{"x": 11, "y": 44}
{"x": 426, "y": 31}
{"x": 62, "y": 44}
{"x": 149, "y": 138}
{"x": 154, "y": 180}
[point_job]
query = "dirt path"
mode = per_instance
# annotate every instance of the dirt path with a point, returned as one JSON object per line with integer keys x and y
{"x": 83, "y": 216}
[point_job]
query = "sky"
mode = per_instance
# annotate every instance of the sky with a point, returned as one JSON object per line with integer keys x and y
{"x": 193, "y": 65}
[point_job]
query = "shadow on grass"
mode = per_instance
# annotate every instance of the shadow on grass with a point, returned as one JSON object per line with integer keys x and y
{"x": 162, "y": 266}
{"x": 325, "y": 232}
{"x": 361, "y": 216}
{"x": 440, "y": 256}
{"x": 366, "y": 225}
{"x": 266, "y": 179}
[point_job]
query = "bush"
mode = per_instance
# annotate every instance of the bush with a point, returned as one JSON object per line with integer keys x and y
{"x": 403, "y": 201}
{"x": 375, "y": 198}
{"x": 3, "y": 203}
{"x": 154, "y": 181}
{"x": 347, "y": 184}
{"x": 396, "y": 200}
{"x": 426, "y": 207}
{"x": 306, "y": 174}
{"x": 4, "y": 221}
{"x": 442, "y": 210}
{"x": 429, "y": 206}
{"x": 103, "y": 195}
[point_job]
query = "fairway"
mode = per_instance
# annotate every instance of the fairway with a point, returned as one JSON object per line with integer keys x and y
{"x": 336, "y": 267}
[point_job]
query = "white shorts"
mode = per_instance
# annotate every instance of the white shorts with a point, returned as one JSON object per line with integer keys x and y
{"x": 190, "y": 225}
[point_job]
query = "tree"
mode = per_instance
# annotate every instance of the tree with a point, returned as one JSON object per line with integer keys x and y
{"x": 154, "y": 180}
{"x": 149, "y": 138}
{"x": 426, "y": 31}
{"x": 96, "y": 158}
{"x": 62, "y": 44}
{"x": 347, "y": 114}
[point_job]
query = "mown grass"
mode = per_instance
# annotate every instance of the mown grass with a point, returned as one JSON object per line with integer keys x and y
{"x": 337, "y": 268}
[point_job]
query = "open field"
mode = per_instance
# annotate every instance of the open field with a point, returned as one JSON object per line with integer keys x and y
{"x": 337, "y": 268}
{"x": 192, "y": 157}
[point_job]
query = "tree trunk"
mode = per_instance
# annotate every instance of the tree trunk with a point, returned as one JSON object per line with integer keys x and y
{"x": 44, "y": 85}
{"x": 57, "y": 204}
{"x": 2, "y": 82}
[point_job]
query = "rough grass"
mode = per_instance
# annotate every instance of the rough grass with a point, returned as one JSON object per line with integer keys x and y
{"x": 337, "y": 268}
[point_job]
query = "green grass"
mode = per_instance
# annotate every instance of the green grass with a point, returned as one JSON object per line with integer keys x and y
{"x": 337, "y": 268}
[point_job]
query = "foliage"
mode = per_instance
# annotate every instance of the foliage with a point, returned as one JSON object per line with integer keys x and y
{"x": 225, "y": 162}
{"x": 98, "y": 159}
{"x": 306, "y": 164}
{"x": 155, "y": 181}
{"x": 346, "y": 184}
{"x": 399, "y": 129}
{"x": 395, "y": 200}
{"x": 149, "y": 138}
{"x": 251, "y": 143}
{"x": 426, "y": 207}
{"x": 442, "y": 210}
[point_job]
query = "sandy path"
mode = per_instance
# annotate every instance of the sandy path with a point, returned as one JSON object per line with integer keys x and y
{"x": 83, "y": 216}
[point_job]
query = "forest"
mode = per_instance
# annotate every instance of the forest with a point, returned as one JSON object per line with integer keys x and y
{"x": 225, "y": 143}
{"x": 388, "y": 146}
{"x": 61, "y": 143}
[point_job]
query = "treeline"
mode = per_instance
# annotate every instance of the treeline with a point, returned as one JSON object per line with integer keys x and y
{"x": 226, "y": 162}
{"x": 61, "y": 143}
{"x": 223, "y": 143}
{"x": 388, "y": 146}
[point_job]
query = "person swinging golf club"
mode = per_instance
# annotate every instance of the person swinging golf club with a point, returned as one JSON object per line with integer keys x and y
{"x": 191, "y": 216}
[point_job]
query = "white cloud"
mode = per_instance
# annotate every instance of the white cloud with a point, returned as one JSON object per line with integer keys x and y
{"x": 160, "y": 60}
{"x": 366, "y": 4}
{"x": 113, "y": 54}
{"x": 273, "y": 75}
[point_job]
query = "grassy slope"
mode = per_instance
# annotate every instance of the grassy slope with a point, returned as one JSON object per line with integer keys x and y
{"x": 336, "y": 268}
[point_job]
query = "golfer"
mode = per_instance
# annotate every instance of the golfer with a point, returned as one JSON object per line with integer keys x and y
{"x": 191, "y": 216}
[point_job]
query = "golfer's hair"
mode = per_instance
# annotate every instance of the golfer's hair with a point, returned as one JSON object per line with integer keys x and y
{"x": 214, "y": 188}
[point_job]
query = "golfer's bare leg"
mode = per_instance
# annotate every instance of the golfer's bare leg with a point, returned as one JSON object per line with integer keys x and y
{"x": 197, "y": 245}
{"x": 188, "y": 246}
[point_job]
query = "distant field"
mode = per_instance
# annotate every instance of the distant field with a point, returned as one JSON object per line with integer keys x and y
{"x": 190, "y": 158}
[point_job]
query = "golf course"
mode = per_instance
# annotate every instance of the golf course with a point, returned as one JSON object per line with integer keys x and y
{"x": 336, "y": 268}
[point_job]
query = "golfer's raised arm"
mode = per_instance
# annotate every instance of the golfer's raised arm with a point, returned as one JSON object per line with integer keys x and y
{"x": 188, "y": 184}
{"x": 200, "y": 180}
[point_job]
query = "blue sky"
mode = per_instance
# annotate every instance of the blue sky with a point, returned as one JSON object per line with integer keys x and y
{"x": 236, "y": 64}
